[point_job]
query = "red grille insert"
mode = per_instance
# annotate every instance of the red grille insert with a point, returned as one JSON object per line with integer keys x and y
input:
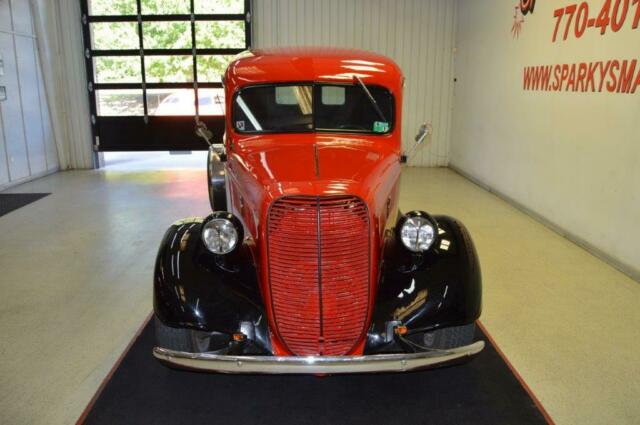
{"x": 318, "y": 253}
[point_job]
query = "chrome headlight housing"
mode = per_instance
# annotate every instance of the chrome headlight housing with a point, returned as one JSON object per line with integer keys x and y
{"x": 221, "y": 233}
{"x": 417, "y": 231}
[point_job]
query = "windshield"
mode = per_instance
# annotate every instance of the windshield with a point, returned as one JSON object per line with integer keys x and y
{"x": 313, "y": 107}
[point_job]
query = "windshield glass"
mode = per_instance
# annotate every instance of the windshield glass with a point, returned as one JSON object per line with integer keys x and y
{"x": 313, "y": 107}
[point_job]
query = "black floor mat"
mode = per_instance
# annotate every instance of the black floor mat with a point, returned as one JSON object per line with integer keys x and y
{"x": 12, "y": 201}
{"x": 483, "y": 391}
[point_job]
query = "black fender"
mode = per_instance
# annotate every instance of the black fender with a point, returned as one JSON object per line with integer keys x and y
{"x": 196, "y": 289}
{"x": 439, "y": 288}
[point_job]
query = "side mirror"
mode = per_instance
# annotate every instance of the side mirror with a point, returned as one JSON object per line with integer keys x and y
{"x": 204, "y": 132}
{"x": 424, "y": 131}
{"x": 207, "y": 135}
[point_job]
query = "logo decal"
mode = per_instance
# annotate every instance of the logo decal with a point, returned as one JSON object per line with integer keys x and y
{"x": 527, "y": 6}
{"x": 523, "y": 8}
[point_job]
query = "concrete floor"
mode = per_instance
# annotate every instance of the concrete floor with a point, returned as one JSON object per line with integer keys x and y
{"x": 76, "y": 272}
{"x": 139, "y": 161}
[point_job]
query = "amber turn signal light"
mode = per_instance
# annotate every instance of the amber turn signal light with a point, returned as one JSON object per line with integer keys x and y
{"x": 400, "y": 330}
{"x": 239, "y": 337}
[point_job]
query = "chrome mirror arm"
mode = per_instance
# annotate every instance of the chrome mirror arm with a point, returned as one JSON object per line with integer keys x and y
{"x": 203, "y": 131}
{"x": 426, "y": 129}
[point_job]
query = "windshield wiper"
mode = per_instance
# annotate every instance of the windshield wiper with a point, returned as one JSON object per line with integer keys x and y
{"x": 370, "y": 97}
{"x": 247, "y": 112}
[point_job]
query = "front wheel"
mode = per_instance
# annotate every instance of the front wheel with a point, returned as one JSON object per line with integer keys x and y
{"x": 216, "y": 182}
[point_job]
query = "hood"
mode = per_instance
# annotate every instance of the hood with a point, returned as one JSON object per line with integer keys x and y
{"x": 264, "y": 168}
{"x": 316, "y": 164}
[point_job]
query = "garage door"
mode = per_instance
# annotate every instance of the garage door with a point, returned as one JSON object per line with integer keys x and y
{"x": 154, "y": 66}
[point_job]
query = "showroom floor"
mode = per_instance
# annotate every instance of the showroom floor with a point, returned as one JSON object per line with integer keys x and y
{"x": 76, "y": 285}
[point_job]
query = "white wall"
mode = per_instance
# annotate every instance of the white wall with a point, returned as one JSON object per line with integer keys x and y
{"x": 27, "y": 148}
{"x": 572, "y": 158}
{"x": 417, "y": 34}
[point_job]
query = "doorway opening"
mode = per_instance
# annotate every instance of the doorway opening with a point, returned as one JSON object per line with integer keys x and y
{"x": 154, "y": 67}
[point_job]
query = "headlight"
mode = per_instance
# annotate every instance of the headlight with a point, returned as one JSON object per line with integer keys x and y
{"x": 221, "y": 233}
{"x": 417, "y": 231}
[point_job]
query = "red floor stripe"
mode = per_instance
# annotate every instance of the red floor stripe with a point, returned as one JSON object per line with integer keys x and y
{"x": 107, "y": 378}
{"x": 539, "y": 405}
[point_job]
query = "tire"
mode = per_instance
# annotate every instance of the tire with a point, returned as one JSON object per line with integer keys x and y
{"x": 216, "y": 182}
{"x": 455, "y": 336}
{"x": 181, "y": 339}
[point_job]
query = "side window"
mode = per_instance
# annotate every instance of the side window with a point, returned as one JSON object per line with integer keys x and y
{"x": 333, "y": 96}
{"x": 285, "y": 95}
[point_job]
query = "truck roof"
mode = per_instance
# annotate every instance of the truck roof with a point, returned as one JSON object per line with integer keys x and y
{"x": 326, "y": 64}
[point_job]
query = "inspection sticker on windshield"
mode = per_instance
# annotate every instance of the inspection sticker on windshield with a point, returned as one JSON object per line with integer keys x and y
{"x": 380, "y": 126}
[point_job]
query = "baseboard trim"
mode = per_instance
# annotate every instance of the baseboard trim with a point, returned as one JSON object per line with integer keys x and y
{"x": 627, "y": 269}
{"x": 27, "y": 179}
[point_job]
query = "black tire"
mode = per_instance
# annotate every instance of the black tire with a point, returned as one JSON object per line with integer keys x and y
{"x": 452, "y": 337}
{"x": 216, "y": 182}
{"x": 181, "y": 339}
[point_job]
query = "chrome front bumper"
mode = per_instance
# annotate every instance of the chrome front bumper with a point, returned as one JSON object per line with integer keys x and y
{"x": 315, "y": 365}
